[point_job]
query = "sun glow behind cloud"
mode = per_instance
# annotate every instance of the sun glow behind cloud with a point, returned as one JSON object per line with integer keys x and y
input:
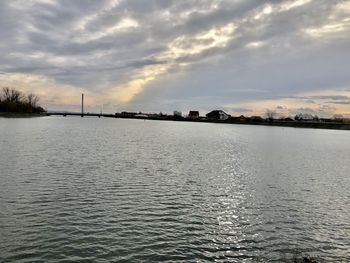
{"x": 177, "y": 49}
{"x": 212, "y": 38}
{"x": 125, "y": 24}
{"x": 329, "y": 29}
{"x": 119, "y": 51}
{"x": 185, "y": 46}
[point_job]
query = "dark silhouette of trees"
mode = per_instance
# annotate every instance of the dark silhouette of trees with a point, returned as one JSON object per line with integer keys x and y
{"x": 12, "y": 100}
{"x": 270, "y": 115}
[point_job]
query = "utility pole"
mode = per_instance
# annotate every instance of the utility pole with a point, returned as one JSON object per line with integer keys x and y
{"x": 82, "y": 105}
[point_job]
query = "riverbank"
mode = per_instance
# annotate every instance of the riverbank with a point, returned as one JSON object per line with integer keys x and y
{"x": 293, "y": 124}
{"x": 246, "y": 121}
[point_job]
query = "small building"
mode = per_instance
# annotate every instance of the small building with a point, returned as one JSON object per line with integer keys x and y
{"x": 304, "y": 117}
{"x": 193, "y": 115}
{"x": 217, "y": 115}
{"x": 242, "y": 118}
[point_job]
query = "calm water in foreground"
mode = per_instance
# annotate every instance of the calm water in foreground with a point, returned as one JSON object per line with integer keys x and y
{"x": 111, "y": 190}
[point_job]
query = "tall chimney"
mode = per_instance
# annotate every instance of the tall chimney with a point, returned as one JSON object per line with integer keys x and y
{"x": 82, "y": 105}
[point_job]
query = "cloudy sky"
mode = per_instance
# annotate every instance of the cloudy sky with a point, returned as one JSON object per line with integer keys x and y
{"x": 243, "y": 56}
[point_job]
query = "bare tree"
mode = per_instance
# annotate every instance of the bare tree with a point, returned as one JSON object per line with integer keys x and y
{"x": 32, "y": 100}
{"x": 6, "y": 94}
{"x": 12, "y": 95}
{"x": 16, "y": 95}
{"x": 270, "y": 114}
{"x": 12, "y": 100}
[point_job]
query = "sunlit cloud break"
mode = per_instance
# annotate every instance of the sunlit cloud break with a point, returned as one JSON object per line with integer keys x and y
{"x": 242, "y": 56}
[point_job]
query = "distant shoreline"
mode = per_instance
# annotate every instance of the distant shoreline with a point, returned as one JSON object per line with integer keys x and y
{"x": 278, "y": 123}
{"x": 292, "y": 124}
{"x": 21, "y": 115}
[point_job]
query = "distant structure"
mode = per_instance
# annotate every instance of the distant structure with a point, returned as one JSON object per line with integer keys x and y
{"x": 257, "y": 119}
{"x": 128, "y": 114}
{"x": 193, "y": 115}
{"x": 218, "y": 115}
{"x": 82, "y": 105}
{"x": 305, "y": 117}
{"x": 177, "y": 113}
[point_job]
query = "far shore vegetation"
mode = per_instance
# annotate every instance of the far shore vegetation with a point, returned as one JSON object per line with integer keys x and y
{"x": 14, "y": 103}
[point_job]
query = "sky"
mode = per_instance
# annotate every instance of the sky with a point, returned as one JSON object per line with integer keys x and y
{"x": 241, "y": 56}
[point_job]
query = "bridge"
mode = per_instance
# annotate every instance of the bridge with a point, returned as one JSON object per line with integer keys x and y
{"x": 65, "y": 114}
{"x": 82, "y": 113}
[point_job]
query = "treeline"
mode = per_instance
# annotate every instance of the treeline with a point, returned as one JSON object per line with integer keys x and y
{"x": 12, "y": 100}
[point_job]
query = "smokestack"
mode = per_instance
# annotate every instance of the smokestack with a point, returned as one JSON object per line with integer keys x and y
{"x": 82, "y": 105}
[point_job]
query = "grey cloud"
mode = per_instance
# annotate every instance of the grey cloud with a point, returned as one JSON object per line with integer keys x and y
{"x": 340, "y": 102}
{"x": 145, "y": 62}
{"x": 310, "y": 101}
{"x": 305, "y": 110}
{"x": 330, "y": 97}
{"x": 326, "y": 108}
{"x": 239, "y": 109}
{"x": 289, "y": 62}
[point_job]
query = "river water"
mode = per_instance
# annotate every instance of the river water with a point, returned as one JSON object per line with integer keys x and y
{"x": 112, "y": 190}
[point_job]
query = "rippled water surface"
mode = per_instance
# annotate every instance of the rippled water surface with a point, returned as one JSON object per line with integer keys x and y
{"x": 111, "y": 190}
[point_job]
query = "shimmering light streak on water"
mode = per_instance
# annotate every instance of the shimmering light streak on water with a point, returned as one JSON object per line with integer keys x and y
{"x": 110, "y": 190}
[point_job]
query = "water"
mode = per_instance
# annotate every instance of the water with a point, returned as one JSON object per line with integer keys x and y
{"x": 112, "y": 190}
